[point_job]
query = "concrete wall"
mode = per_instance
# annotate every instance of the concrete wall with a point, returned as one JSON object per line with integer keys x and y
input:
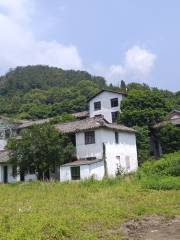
{"x": 89, "y": 150}
{"x": 106, "y": 109}
{"x": 3, "y": 143}
{"x": 11, "y": 179}
{"x": 125, "y": 149}
{"x": 95, "y": 170}
{"x": 116, "y": 154}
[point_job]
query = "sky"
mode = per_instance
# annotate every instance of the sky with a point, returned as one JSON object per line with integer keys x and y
{"x": 133, "y": 40}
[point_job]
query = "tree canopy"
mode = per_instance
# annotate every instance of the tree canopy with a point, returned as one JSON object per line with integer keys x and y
{"x": 41, "y": 148}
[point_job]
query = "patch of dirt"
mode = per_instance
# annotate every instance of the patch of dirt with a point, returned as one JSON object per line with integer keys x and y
{"x": 152, "y": 228}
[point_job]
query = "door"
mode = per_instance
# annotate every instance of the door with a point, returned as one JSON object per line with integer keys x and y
{"x": 22, "y": 176}
{"x": 5, "y": 174}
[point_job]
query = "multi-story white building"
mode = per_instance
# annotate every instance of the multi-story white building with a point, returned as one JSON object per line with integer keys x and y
{"x": 102, "y": 146}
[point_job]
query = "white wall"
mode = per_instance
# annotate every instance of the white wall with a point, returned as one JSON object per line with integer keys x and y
{"x": 11, "y": 179}
{"x": 89, "y": 150}
{"x": 95, "y": 170}
{"x": 125, "y": 148}
{"x": 106, "y": 109}
{"x": 3, "y": 143}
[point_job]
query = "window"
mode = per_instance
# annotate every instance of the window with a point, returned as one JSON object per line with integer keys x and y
{"x": 114, "y": 102}
{"x": 127, "y": 162}
{"x": 75, "y": 173}
{"x": 114, "y": 116}
{"x": 91, "y": 158}
{"x": 89, "y": 137}
{"x": 97, "y": 106}
{"x": 116, "y": 137}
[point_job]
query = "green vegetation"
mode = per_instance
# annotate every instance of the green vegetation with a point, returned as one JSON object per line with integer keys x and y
{"x": 163, "y": 174}
{"x": 85, "y": 210}
{"x": 170, "y": 138}
{"x": 36, "y": 92}
{"x": 40, "y": 91}
{"x": 40, "y": 149}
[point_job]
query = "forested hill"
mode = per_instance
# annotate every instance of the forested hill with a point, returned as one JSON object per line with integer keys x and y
{"x": 40, "y": 91}
{"x": 43, "y": 77}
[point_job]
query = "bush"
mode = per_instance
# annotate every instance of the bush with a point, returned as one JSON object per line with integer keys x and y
{"x": 161, "y": 183}
{"x": 168, "y": 165}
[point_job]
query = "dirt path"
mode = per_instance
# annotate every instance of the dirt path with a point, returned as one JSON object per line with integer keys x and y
{"x": 152, "y": 228}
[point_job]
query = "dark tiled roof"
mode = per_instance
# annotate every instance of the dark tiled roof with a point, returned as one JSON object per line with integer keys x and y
{"x": 106, "y": 90}
{"x": 4, "y": 156}
{"x": 90, "y": 123}
{"x": 81, "y": 162}
{"x": 83, "y": 114}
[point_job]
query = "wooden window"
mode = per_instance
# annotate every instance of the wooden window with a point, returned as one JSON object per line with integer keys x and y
{"x": 114, "y": 102}
{"x": 114, "y": 116}
{"x": 127, "y": 162}
{"x": 75, "y": 173}
{"x": 97, "y": 106}
{"x": 116, "y": 137}
{"x": 89, "y": 137}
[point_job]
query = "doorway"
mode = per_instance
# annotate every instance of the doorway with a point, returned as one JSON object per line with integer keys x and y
{"x": 5, "y": 174}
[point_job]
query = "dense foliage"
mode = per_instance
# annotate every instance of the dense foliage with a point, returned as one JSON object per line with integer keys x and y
{"x": 168, "y": 165}
{"x": 169, "y": 136}
{"x": 40, "y": 91}
{"x": 142, "y": 109}
{"x": 40, "y": 149}
{"x": 36, "y": 92}
{"x": 163, "y": 174}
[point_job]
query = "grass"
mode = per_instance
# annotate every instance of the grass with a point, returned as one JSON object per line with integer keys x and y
{"x": 86, "y": 210}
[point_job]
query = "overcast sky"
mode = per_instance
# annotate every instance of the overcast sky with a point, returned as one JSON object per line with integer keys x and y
{"x": 134, "y": 40}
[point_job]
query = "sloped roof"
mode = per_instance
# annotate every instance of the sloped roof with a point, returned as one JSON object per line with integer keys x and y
{"x": 81, "y": 162}
{"x": 4, "y": 156}
{"x": 106, "y": 90}
{"x": 91, "y": 123}
{"x": 81, "y": 114}
{"x": 31, "y": 123}
{"x": 175, "y": 121}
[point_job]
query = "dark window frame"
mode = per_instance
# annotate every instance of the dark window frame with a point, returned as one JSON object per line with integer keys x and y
{"x": 116, "y": 135}
{"x": 97, "y": 106}
{"x": 75, "y": 173}
{"x": 114, "y": 102}
{"x": 89, "y": 137}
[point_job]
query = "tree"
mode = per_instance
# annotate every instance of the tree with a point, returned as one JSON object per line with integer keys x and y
{"x": 142, "y": 141}
{"x": 41, "y": 148}
{"x": 169, "y": 137}
{"x": 123, "y": 85}
{"x": 144, "y": 108}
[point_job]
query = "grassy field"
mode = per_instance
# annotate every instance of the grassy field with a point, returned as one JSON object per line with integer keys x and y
{"x": 85, "y": 210}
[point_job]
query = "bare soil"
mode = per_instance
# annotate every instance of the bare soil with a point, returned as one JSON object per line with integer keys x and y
{"x": 152, "y": 228}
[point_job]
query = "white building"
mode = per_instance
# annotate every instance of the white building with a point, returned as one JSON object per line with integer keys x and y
{"x": 107, "y": 104}
{"x": 7, "y": 172}
{"x": 102, "y": 146}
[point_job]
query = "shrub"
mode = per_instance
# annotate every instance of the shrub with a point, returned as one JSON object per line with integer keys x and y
{"x": 168, "y": 165}
{"x": 161, "y": 183}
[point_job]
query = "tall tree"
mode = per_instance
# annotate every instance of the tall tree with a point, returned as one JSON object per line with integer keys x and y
{"x": 40, "y": 148}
